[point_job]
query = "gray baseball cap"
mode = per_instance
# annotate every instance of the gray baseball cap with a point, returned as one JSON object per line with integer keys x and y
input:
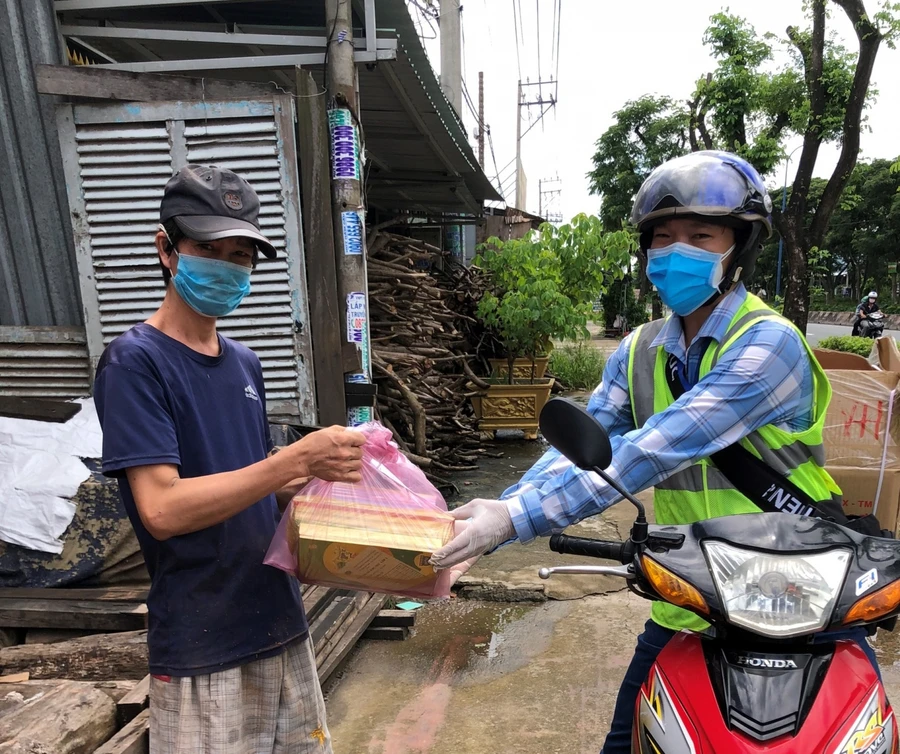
{"x": 208, "y": 203}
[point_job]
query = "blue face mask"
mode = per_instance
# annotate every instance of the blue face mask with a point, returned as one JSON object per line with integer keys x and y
{"x": 685, "y": 276}
{"x": 211, "y": 287}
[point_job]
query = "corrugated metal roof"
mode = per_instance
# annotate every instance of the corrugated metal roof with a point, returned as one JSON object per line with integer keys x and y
{"x": 420, "y": 158}
{"x": 38, "y": 280}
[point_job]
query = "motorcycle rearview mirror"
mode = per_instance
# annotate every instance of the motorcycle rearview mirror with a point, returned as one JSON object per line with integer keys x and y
{"x": 582, "y": 439}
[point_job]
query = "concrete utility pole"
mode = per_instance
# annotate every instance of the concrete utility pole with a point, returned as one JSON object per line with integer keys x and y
{"x": 544, "y": 105}
{"x": 481, "y": 119}
{"x": 520, "y": 182}
{"x": 346, "y": 196}
{"x": 451, "y": 53}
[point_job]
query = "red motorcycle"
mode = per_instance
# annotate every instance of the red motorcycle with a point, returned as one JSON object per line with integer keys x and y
{"x": 767, "y": 583}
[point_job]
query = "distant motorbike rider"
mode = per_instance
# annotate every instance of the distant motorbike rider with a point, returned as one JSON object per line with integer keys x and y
{"x": 867, "y": 306}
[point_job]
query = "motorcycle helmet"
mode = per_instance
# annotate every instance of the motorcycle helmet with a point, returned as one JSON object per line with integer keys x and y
{"x": 873, "y": 296}
{"x": 711, "y": 184}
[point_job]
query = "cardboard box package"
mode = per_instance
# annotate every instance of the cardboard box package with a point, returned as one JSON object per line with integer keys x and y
{"x": 867, "y": 491}
{"x": 351, "y": 545}
{"x": 862, "y": 430}
{"x": 862, "y": 426}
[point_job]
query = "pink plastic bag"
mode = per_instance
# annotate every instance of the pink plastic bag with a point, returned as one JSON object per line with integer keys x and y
{"x": 376, "y": 535}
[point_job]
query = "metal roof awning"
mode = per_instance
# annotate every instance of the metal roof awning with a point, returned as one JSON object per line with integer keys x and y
{"x": 419, "y": 157}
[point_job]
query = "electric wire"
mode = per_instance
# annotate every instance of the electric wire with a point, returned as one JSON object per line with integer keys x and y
{"x": 537, "y": 26}
{"x": 558, "y": 15}
{"x": 516, "y": 32}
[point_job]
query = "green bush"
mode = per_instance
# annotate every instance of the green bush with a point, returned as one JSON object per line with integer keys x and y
{"x": 578, "y": 366}
{"x": 847, "y": 343}
{"x": 543, "y": 286}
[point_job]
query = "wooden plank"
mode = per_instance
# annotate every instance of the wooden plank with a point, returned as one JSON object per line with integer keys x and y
{"x": 94, "y": 615}
{"x": 134, "y": 738}
{"x": 395, "y": 618}
{"x": 38, "y": 409}
{"x": 133, "y": 703}
{"x": 107, "y": 594}
{"x": 386, "y": 633}
{"x": 315, "y": 600}
{"x": 68, "y": 719}
{"x": 325, "y": 648}
{"x": 333, "y": 634}
{"x": 324, "y": 307}
{"x": 356, "y": 628}
{"x": 14, "y": 678}
{"x": 101, "y": 657}
{"x": 347, "y": 608}
{"x": 331, "y": 616}
{"x": 14, "y": 693}
{"x": 98, "y": 83}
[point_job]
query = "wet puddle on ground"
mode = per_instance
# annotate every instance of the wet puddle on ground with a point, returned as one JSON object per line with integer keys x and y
{"x": 469, "y": 641}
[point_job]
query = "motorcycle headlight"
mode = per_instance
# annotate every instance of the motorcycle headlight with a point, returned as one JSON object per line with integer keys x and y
{"x": 777, "y": 595}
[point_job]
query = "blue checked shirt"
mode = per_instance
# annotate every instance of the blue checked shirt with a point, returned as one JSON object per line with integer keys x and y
{"x": 763, "y": 378}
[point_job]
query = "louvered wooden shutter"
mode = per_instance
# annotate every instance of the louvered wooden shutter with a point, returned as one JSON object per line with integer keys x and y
{"x": 118, "y": 159}
{"x": 44, "y": 362}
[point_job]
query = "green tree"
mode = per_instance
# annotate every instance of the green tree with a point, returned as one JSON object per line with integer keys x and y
{"x": 746, "y": 106}
{"x": 863, "y": 237}
{"x": 864, "y": 234}
{"x": 647, "y": 132}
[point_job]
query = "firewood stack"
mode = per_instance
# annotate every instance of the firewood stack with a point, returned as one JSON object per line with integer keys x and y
{"x": 425, "y": 343}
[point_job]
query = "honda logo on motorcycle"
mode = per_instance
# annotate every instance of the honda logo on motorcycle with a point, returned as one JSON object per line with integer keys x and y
{"x": 765, "y": 662}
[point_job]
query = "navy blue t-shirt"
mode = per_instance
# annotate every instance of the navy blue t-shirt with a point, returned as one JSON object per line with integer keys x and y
{"x": 213, "y": 604}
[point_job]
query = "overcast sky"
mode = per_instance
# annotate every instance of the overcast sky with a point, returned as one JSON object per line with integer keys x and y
{"x": 612, "y": 52}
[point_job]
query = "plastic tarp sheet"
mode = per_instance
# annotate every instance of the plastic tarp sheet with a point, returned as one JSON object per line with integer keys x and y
{"x": 41, "y": 469}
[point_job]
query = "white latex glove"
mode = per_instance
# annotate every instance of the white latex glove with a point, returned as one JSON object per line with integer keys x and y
{"x": 490, "y": 525}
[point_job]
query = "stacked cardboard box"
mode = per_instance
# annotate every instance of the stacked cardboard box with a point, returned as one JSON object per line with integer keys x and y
{"x": 862, "y": 430}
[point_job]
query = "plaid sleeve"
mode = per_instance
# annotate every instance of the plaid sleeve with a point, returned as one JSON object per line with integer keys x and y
{"x": 764, "y": 378}
{"x": 610, "y": 403}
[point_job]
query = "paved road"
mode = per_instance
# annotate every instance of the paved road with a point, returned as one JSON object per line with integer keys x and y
{"x": 814, "y": 333}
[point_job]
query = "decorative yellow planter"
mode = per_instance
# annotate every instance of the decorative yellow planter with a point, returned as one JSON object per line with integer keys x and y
{"x": 521, "y": 368}
{"x": 516, "y": 406}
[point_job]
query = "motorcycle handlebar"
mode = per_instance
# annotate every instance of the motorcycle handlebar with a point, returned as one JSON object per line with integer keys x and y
{"x": 591, "y": 548}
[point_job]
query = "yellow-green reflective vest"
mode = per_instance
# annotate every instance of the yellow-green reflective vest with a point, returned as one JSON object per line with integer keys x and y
{"x": 701, "y": 491}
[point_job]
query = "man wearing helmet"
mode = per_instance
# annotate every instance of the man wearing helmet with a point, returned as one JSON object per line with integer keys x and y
{"x": 866, "y": 307}
{"x": 743, "y": 373}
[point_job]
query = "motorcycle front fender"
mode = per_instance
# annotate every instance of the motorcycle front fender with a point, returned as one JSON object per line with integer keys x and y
{"x": 769, "y": 706}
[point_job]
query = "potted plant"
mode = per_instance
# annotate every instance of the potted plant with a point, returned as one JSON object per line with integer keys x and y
{"x": 540, "y": 288}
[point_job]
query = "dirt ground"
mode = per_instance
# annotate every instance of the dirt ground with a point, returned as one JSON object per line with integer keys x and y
{"x": 515, "y": 664}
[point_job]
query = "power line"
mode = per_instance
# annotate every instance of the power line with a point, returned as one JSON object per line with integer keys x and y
{"x": 493, "y": 155}
{"x": 539, "y": 119}
{"x": 537, "y": 25}
{"x": 553, "y": 46}
{"x": 558, "y": 16}
{"x": 521, "y": 22}
{"x": 428, "y": 16}
{"x": 487, "y": 23}
{"x": 516, "y": 31}
{"x": 471, "y": 105}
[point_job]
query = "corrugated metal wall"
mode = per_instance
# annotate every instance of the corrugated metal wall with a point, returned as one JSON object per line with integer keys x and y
{"x": 38, "y": 278}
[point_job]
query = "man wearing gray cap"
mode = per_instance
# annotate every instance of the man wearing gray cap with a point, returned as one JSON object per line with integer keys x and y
{"x": 185, "y": 431}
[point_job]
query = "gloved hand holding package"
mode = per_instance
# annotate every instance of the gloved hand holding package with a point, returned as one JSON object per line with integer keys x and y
{"x": 376, "y": 535}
